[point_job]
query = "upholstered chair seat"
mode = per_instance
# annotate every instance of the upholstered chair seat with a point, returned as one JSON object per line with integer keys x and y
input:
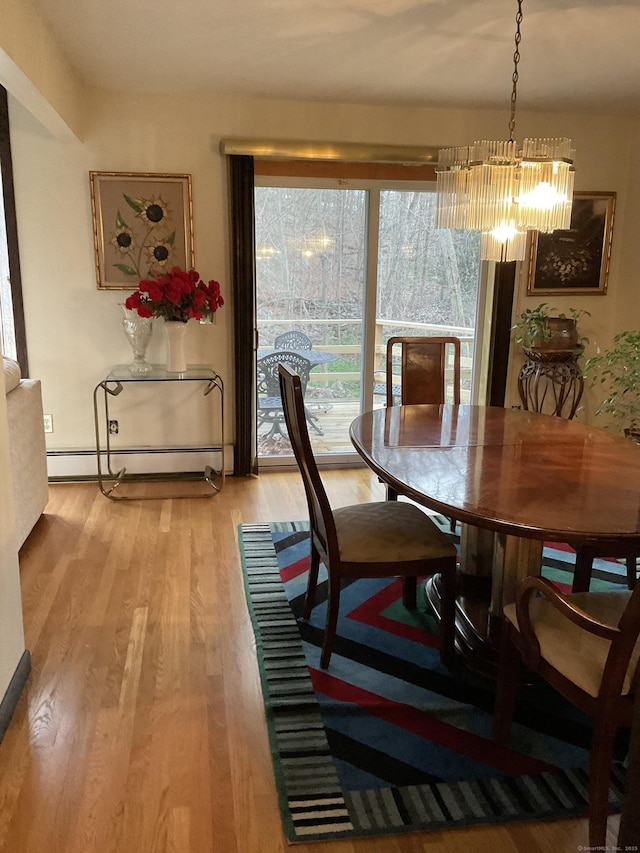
{"x": 378, "y": 533}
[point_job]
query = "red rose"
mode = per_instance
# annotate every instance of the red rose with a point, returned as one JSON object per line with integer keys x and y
{"x": 132, "y": 301}
{"x": 155, "y": 291}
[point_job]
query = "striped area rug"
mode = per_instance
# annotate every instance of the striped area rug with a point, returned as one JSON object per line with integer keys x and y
{"x": 387, "y": 740}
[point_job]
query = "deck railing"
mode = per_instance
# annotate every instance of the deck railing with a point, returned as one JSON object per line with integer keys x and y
{"x": 324, "y": 374}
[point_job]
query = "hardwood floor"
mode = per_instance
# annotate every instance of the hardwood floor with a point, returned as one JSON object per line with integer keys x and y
{"x": 141, "y": 728}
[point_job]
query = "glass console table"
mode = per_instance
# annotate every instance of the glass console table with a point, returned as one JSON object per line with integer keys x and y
{"x": 112, "y": 386}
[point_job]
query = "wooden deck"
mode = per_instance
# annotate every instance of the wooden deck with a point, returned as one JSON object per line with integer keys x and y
{"x": 334, "y": 392}
{"x": 334, "y": 419}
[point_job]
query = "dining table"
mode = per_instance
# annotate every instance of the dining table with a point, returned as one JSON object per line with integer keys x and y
{"x": 514, "y": 479}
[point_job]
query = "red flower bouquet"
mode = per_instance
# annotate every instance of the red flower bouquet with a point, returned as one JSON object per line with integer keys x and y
{"x": 176, "y": 295}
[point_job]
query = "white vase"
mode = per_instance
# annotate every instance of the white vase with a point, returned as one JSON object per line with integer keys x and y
{"x": 176, "y": 359}
{"x": 138, "y": 331}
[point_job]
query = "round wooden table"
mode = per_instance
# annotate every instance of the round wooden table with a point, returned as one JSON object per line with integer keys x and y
{"x": 514, "y": 478}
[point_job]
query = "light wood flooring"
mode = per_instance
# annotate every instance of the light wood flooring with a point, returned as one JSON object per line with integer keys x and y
{"x": 141, "y": 728}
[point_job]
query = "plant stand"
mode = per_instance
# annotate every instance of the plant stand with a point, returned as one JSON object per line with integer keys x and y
{"x": 551, "y": 382}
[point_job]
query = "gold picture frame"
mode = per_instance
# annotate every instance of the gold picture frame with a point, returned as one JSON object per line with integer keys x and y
{"x": 575, "y": 260}
{"x": 142, "y": 225}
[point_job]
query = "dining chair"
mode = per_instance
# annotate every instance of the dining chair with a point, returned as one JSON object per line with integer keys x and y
{"x": 423, "y": 375}
{"x": 292, "y": 340}
{"x": 269, "y": 409}
{"x": 585, "y": 645}
{"x": 423, "y": 370}
{"x": 369, "y": 540}
{"x": 585, "y": 555}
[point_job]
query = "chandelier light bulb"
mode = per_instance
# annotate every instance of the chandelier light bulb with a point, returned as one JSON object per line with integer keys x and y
{"x": 505, "y": 231}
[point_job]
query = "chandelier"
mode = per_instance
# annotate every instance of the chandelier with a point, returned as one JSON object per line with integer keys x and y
{"x": 503, "y": 191}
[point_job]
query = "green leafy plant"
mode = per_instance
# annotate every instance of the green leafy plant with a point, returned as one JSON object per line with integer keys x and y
{"x": 532, "y": 328}
{"x": 617, "y": 370}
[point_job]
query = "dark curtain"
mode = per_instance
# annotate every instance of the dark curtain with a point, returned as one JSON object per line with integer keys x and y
{"x": 244, "y": 293}
{"x": 504, "y": 288}
{"x": 11, "y": 225}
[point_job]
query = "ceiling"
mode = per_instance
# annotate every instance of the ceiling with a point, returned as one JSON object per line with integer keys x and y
{"x": 576, "y": 55}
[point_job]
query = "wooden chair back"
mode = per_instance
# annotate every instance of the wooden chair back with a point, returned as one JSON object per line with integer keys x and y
{"x": 321, "y": 523}
{"x": 423, "y": 369}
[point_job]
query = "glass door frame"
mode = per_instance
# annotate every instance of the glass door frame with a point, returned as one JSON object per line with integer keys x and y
{"x": 481, "y": 348}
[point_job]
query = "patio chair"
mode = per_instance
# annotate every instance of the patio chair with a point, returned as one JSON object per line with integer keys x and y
{"x": 585, "y": 645}
{"x": 294, "y": 340}
{"x": 369, "y": 540}
{"x": 269, "y": 401}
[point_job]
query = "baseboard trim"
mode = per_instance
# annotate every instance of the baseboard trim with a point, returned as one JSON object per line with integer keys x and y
{"x": 16, "y": 685}
{"x": 80, "y": 463}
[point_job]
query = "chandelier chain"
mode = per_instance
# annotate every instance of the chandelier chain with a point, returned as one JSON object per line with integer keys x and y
{"x": 514, "y": 77}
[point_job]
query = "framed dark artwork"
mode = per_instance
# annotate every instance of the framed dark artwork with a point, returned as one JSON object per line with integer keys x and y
{"x": 142, "y": 225}
{"x": 575, "y": 260}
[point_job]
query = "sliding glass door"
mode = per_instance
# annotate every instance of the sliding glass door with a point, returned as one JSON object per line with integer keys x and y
{"x": 349, "y": 264}
{"x": 427, "y": 280}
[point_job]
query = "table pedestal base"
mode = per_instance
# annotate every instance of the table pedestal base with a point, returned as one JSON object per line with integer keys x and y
{"x": 492, "y": 566}
{"x": 477, "y": 636}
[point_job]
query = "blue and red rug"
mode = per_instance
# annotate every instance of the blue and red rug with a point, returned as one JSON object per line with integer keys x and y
{"x": 387, "y": 740}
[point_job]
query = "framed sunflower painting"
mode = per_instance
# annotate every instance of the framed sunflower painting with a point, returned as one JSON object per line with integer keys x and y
{"x": 142, "y": 225}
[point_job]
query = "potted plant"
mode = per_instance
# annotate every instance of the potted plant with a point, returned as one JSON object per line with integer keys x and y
{"x": 617, "y": 369}
{"x": 546, "y": 330}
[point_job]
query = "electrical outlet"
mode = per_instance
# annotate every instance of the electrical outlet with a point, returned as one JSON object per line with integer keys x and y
{"x": 113, "y": 428}
{"x": 48, "y": 423}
